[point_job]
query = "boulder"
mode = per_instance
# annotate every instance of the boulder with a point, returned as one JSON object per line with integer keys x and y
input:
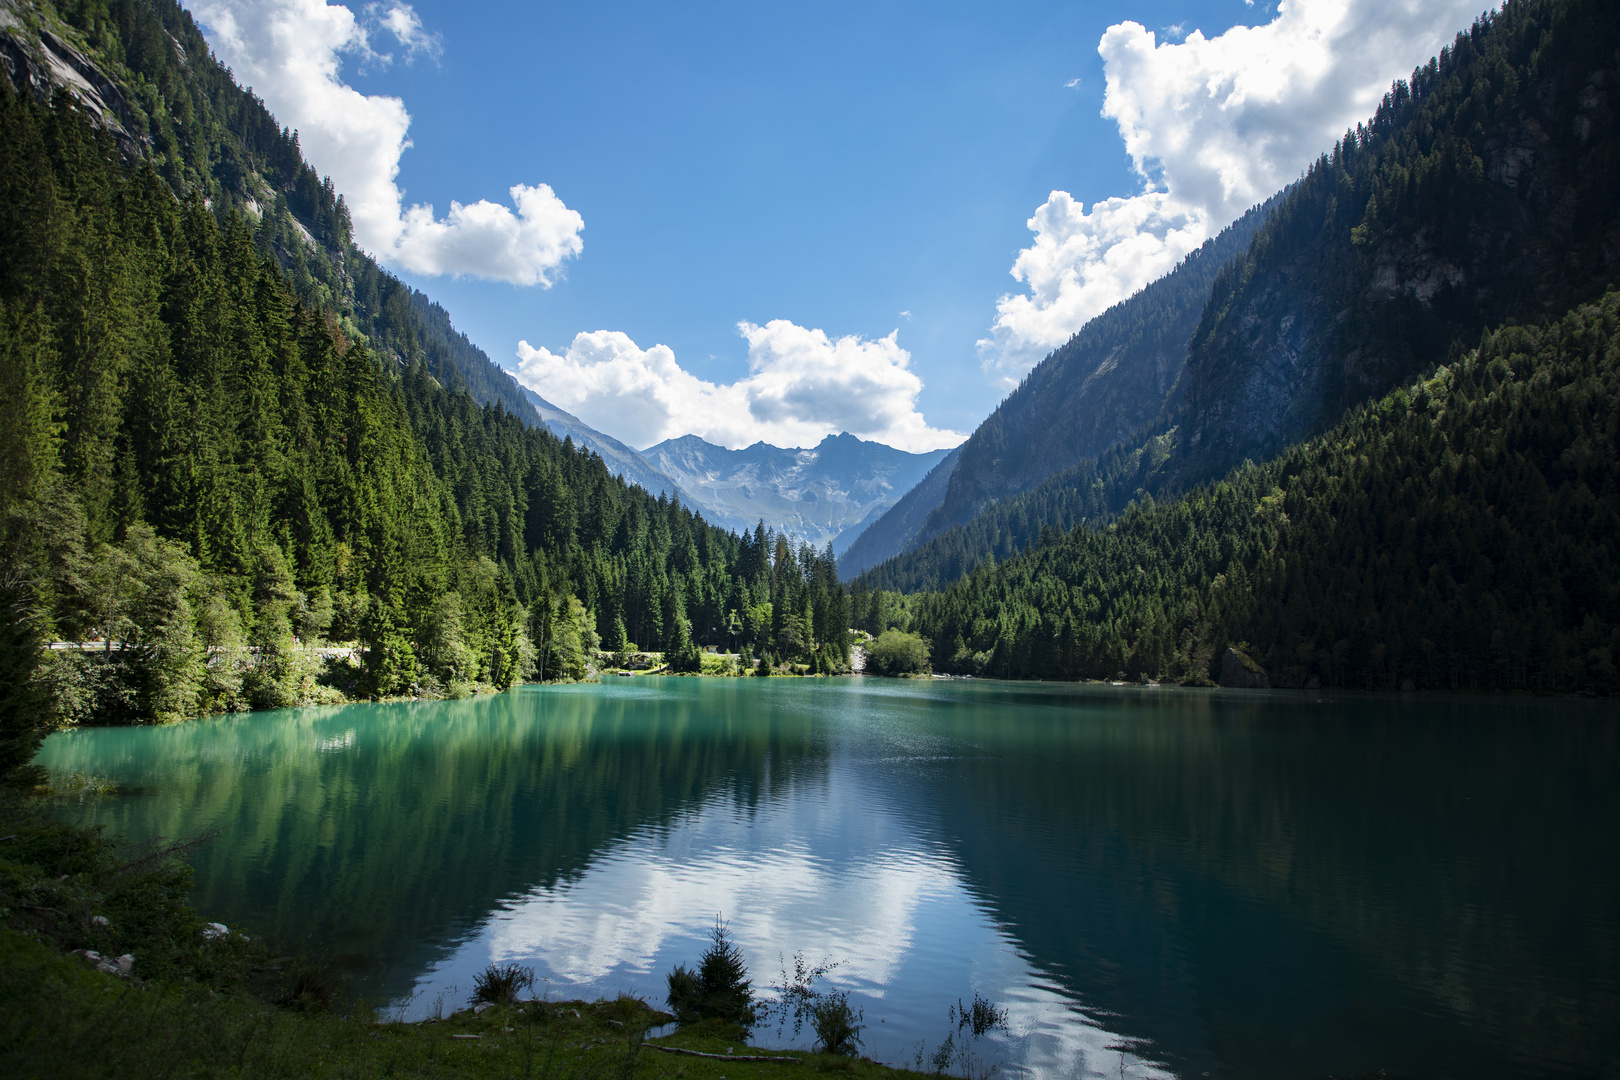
{"x": 106, "y": 965}
{"x": 1241, "y": 673}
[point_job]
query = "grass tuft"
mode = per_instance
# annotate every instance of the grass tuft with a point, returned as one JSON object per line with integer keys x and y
{"x": 499, "y": 984}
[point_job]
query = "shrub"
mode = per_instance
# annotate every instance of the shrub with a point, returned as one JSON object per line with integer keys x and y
{"x": 688, "y": 659}
{"x": 837, "y": 1026}
{"x": 499, "y": 984}
{"x": 895, "y": 652}
{"x": 981, "y": 1017}
{"x": 308, "y": 987}
{"x": 718, "y": 989}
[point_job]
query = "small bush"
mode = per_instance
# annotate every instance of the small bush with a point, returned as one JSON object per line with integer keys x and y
{"x": 837, "y": 1026}
{"x": 687, "y": 660}
{"x": 895, "y": 652}
{"x": 309, "y": 987}
{"x": 499, "y": 984}
{"x": 684, "y": 994}
{"x": 978, "y": 1020}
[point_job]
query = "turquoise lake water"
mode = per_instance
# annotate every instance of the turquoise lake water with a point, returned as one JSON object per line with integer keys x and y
{"x": 1153, "y": 882}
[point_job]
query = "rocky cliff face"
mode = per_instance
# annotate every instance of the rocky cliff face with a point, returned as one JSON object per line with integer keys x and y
{"x": 1484, "y": 191}
{"x": 812, "y": 494}
{"x": 39, "y": 62}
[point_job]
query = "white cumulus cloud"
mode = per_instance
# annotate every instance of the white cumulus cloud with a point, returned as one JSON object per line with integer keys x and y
{"x": 291, "y": 53}
{"x": 1213, "y": 126}
{"x": 801, "y": 386}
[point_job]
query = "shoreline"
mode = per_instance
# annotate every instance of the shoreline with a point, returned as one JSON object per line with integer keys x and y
{"x": 1324, "y": 695}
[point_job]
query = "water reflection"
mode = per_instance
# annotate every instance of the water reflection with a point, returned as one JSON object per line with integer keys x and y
{"x": 826, "y": 868}
{"x": 1262, "y": 885}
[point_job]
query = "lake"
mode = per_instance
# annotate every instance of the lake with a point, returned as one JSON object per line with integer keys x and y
{"x": 1153, "y": 882}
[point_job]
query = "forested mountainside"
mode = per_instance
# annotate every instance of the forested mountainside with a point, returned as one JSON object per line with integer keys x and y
{"x": 620, "y": 459}
{"x": 1114, "y": 377}
{"x": 146, "y": 72}
{"x": 1493, "y": 187}
{"x": 1458, "y": 533}
{"x": 205, "y": 474}
{"x": 1484, "y": 190}
{"x": 1088, "y": 493}
{"x": 815, "y": 495}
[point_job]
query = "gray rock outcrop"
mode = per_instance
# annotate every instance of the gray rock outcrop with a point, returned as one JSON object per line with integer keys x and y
{"x": 1238, "y": 672}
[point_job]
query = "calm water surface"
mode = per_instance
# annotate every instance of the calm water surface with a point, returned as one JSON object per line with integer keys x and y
{"x": 1154, "y": 882}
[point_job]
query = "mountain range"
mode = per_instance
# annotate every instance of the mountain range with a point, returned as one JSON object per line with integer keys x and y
{"x": 822, "y": 495}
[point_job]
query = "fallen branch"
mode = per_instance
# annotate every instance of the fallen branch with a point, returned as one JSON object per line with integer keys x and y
{"x": 720, "y": 1057}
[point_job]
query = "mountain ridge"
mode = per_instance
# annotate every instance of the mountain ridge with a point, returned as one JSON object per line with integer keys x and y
{"x": 816, "y": 494}
{"x": 1115, "y": 375}
{"x": 1482, "y": 190}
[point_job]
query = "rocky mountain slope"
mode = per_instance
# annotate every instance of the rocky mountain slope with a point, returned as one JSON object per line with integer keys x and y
{"x": 620, "y": 459}
{"x": 816, "y": 495}
{"x": 1112, "y": 378}
{"x": 1116, "y": 375}
{"x": 888, "y": 532}
{"x": 143, "y": 68}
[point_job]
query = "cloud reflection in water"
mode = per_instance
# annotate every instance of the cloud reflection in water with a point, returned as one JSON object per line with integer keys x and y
{"x": 826, "y": 869}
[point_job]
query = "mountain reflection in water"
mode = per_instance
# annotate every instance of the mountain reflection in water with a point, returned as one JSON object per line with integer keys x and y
{"x": 1153, "y": 881}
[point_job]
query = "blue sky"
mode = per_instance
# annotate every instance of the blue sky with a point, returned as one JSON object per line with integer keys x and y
{"x": 826, "y": 175}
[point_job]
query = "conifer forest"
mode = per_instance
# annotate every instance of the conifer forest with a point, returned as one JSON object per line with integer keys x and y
{"x": 214, "y": 479}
